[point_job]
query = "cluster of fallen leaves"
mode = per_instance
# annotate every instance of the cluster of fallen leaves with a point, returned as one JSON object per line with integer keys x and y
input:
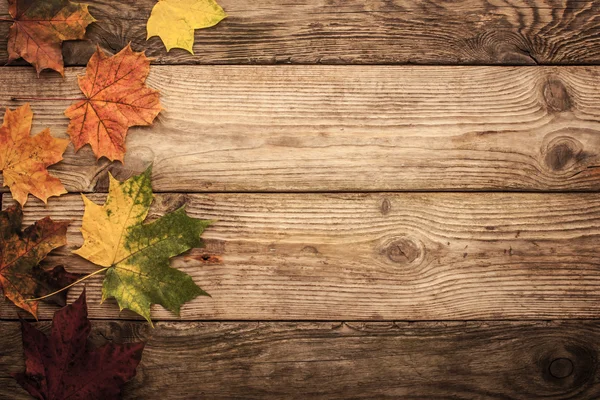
{"x": 41, "y": 26}
{"x": 133, "y": 256}
{"x": 115, "y": 95}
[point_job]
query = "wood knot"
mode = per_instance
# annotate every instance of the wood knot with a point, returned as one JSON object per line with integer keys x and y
{"x": 404, "y": 251}
{"x": 310, "y": 249}
{"x": 505, "y": 47}
{"x": 561, "y": 368}
{"x": 571, "y": 364}
{"x": 562, "y": 153}
{"x": 556, "y": 96}
{"x": 134, "y": 165}
{"x": 206, "y": 255}
{"x": 386, "y": 206}
{"x": 206, "y": 258}
{"x": 169, "y": 202}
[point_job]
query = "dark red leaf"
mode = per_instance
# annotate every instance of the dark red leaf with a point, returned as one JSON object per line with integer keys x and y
{"x": 51, "y": 281}
{"x": 63, "y": 367}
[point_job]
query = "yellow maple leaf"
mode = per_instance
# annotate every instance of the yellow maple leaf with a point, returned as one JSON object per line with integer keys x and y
{"x": 174, "y": 21}
{"x": 24, "y": 159}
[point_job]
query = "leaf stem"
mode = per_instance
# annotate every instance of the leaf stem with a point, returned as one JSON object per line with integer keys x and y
{"x": 6, "y": 19}
{"x": 67, "y": 287}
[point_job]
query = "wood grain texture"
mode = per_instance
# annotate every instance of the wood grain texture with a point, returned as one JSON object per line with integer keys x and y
{"x": 337, "y": 128}
{"x": 359, "y": 32}
{"x": 372, "y": 256}
{"x": 332, "y": 360}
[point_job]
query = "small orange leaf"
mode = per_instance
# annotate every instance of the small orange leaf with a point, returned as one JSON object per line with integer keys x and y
{"x": 40, "y": 27}
{"x": 117, "y": 98}
{"x": 24, "y": 159}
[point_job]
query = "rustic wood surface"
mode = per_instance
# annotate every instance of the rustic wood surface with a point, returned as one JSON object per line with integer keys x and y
{"x": 367, "y": 193}
{"x": 411, "y": 256}
{"x": 333, "y": 360}
{"x": 335, "y": 128}
{"x": 359, "y": 31}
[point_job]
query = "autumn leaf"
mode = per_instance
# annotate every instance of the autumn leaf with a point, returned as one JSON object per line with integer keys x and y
{"x": 175, "y": 21}
{"x": 21, "y": 277}
{"x": 41, "y": 26}
{"x": 116, "y": 98}
{"x": 136, "y": 255}
{"x": 24, "y": 159}
{"x": 62, "y": 366}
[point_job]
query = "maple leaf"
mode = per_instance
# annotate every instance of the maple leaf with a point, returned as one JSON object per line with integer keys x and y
{"x": 24, "y": 159}
{"x": 174, "y": 21}
{"x": 40, "y": 27}
{"x": 21, "y": 277}
{"x": 116, "y": 98}
{"x": 62, "y": 366}
{"x": 135, "y": 255}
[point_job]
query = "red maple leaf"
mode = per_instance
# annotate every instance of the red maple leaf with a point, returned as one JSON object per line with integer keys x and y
{"x": 63, "y": 367}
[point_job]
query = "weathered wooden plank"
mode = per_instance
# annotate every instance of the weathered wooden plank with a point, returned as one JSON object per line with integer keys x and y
{"x": 412, "y": 256}
{"x": 554, "y": 360}
{"x": 362, "y": 128}
{"x": 359, "y": 31}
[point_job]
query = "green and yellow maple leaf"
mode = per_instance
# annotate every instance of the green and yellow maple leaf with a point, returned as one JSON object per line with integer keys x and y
{"x": 136, "y": 255}
{"x": 175, "y": 21}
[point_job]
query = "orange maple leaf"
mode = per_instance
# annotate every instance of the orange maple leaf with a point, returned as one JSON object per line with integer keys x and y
{"x": 40, "y": 27}
{"x": 24, "y": 159}
{"x": 117, "y": 98}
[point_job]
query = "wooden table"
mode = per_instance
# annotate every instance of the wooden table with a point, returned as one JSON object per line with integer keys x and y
{"x": 406, "y": 197}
